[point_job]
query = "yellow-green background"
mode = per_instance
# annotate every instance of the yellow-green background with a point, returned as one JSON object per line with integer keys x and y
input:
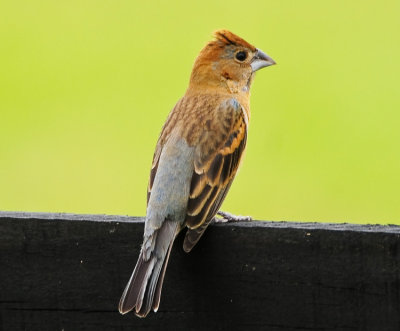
{"x": 85, "y": 87}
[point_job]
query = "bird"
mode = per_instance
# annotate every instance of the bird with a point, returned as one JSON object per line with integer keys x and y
{"x": 195, "y": 161}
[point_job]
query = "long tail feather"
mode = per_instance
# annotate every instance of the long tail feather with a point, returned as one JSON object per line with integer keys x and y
{"x": 156, "y": 302}
{"x": 143, "y": 290}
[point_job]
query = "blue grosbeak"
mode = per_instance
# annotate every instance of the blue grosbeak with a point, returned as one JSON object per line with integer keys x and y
{"x": 195, "y": 161}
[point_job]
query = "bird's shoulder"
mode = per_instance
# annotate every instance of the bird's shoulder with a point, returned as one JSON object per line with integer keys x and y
{"x": 201, "y": 117}
{"x": 207, "y": 117}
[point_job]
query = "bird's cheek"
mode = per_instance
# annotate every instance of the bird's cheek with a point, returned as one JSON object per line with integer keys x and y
{"x": 214, "y": 66}
{"x": 233, "y": 86}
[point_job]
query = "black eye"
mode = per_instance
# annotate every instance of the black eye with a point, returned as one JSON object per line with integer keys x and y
{"x": 241, "y": 56}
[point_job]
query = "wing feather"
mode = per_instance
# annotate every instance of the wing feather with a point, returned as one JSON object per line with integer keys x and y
{"x": 213, "y": 174}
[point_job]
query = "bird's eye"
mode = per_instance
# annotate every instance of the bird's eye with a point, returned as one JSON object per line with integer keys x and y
{"x": 241, "y": 56}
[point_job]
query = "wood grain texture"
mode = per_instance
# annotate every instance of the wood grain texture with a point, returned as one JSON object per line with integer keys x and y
{"x": 66, "y": 272}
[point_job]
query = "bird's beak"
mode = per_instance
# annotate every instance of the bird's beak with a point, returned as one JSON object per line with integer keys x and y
{"x": 261, "y": 60}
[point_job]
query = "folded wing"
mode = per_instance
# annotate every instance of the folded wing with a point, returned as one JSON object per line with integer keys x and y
{"x": 216, "y": 162}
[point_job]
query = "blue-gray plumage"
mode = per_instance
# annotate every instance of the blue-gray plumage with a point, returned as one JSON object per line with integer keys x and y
{"x": 170, "y": 191}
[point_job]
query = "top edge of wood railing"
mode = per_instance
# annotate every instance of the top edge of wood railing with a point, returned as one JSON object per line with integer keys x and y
{"x": 390, "y": 228}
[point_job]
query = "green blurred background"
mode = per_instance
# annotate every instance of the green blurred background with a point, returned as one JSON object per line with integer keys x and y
{"x": 85, "y": 87}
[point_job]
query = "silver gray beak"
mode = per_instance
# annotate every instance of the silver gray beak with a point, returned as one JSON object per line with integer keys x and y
{"x": 261, "y": 60}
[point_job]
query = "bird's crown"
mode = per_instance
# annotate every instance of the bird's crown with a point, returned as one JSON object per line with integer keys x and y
{"x": 229, "y": 38}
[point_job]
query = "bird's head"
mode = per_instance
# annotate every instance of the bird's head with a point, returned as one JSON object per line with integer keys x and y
{"x": 228, "y": 62}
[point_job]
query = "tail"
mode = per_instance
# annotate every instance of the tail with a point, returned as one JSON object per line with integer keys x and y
{"x": 143, "y": 290}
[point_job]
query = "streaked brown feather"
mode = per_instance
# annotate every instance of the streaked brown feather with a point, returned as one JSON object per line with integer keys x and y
{"x": 214, "y": 172}
{"x": 215, "y": 168}
{"x": 196, "y": 204}
{"x": 194, "y": 220}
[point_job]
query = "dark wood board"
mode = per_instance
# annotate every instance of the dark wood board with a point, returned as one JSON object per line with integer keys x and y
{"x": 67, "y": 272}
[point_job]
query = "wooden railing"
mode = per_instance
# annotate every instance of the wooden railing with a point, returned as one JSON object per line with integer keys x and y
{"x": 67, "y": 272}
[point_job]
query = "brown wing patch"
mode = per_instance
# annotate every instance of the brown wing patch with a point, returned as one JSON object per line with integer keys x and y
{"x": 196, "y": 204}
{"x": 215, "y": 168}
